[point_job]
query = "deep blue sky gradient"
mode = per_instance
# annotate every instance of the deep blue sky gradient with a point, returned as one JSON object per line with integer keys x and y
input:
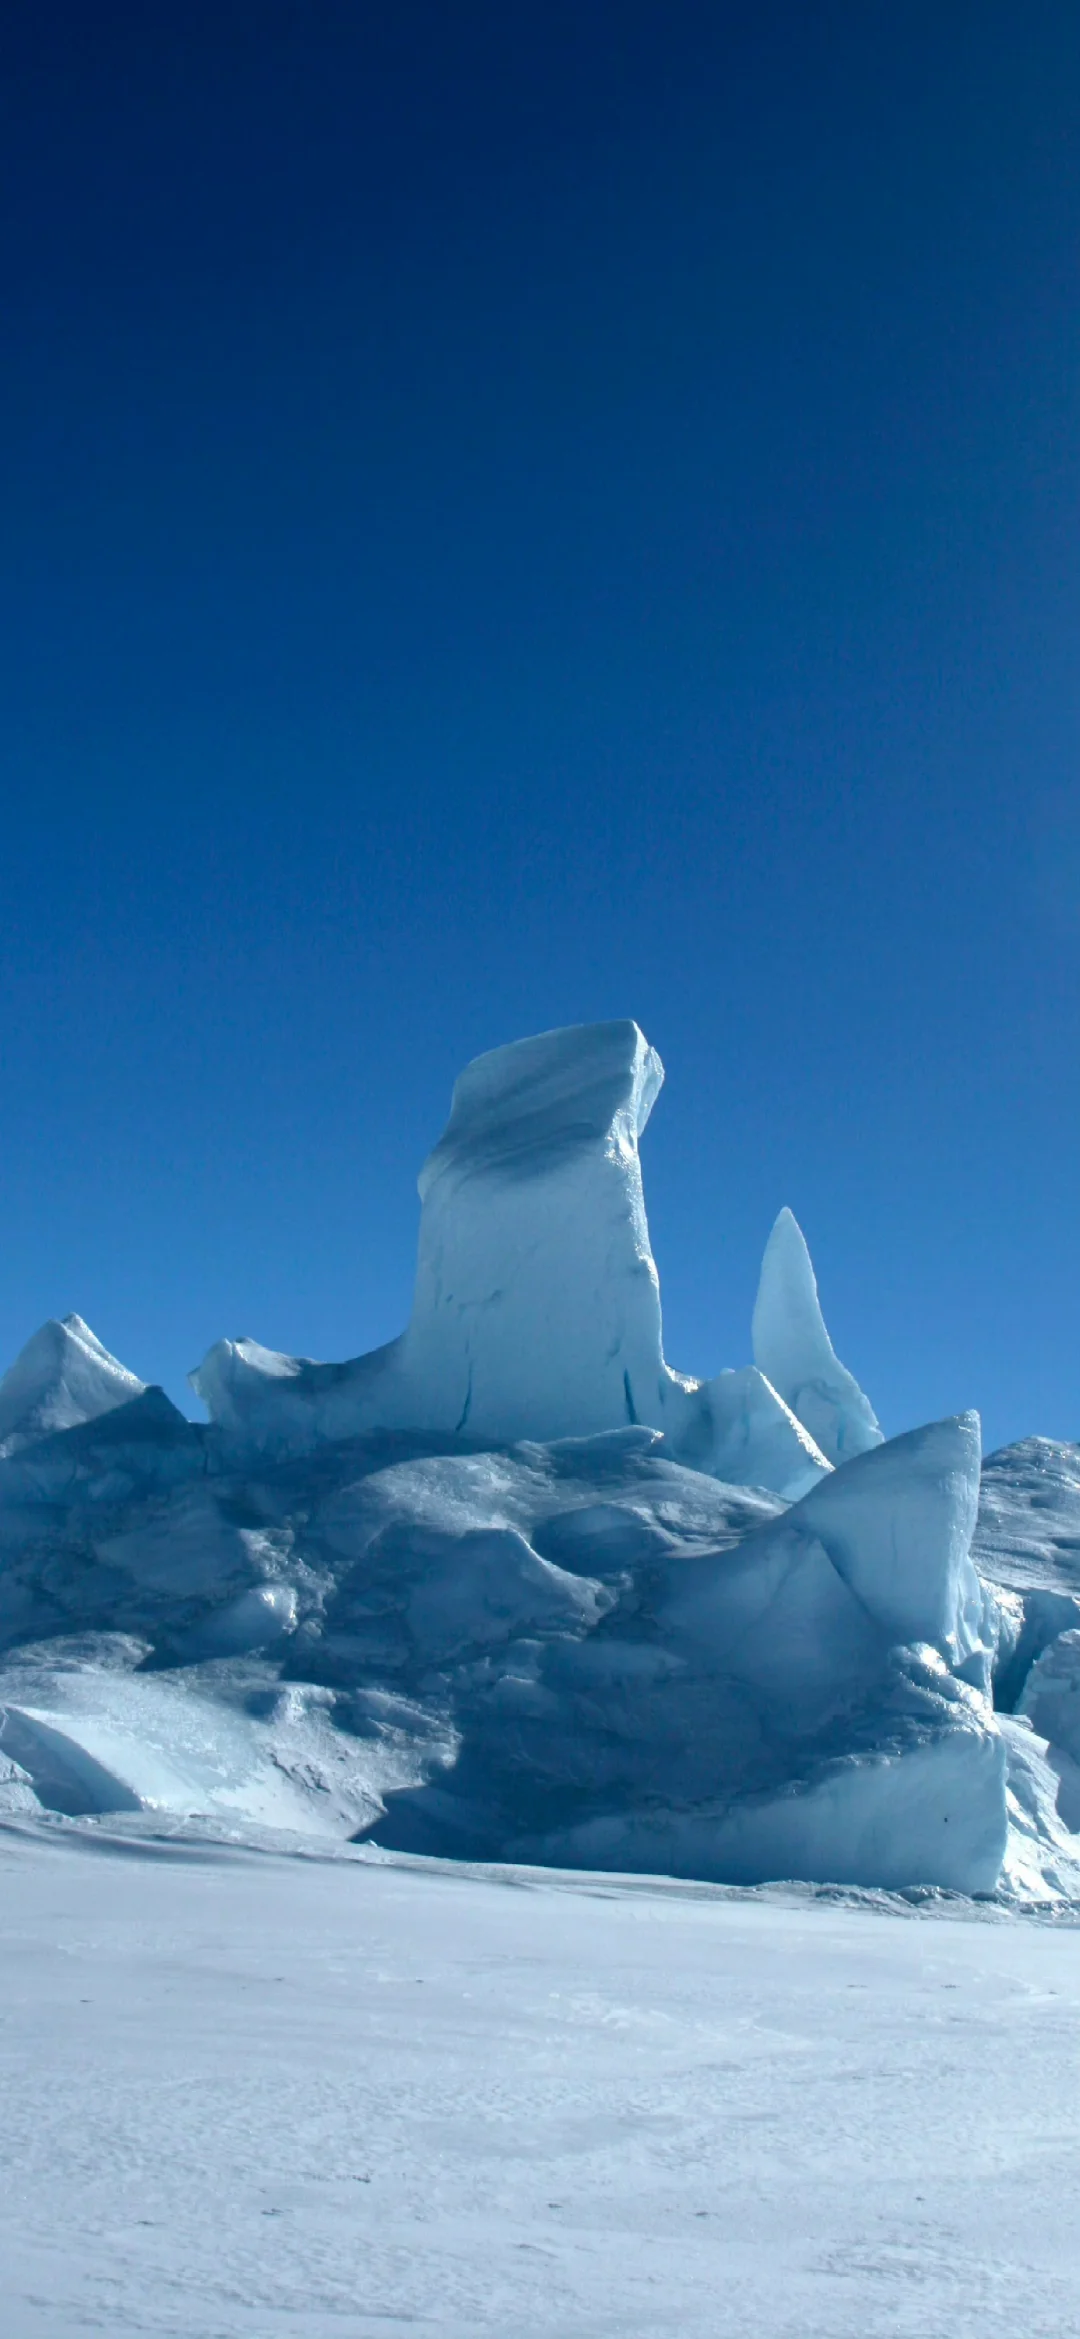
{"x": 520, "y": 514}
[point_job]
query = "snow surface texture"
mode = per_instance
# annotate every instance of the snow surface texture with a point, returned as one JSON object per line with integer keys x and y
{"x": 339, "y": 2098}
{"x": 372, "y": 1599}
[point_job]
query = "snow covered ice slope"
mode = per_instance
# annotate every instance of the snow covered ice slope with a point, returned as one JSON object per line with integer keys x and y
{"x": 246, "y": 2096}
{"x": 64, "y": 1376}
{"x": 581, "y": 1651}
{"x": 512, "y": 1588}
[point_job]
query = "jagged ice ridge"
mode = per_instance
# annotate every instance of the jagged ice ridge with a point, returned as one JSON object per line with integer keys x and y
{"x": 511, "y": 1587}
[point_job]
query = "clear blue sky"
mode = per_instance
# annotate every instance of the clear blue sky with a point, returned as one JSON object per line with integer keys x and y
{"x": 518, "y": 514}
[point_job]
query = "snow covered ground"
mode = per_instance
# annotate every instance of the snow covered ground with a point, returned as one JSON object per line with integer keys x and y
{"x": 247, "y": 2094}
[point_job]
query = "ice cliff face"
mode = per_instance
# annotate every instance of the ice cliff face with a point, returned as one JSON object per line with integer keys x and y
{"x": 512, "y": 1588}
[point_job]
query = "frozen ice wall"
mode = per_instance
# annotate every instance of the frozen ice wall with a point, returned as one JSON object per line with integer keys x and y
{"x": 537, "y": 1302}
{"x": 537, "y": 1308}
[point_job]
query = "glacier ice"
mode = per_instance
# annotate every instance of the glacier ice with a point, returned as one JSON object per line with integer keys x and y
{"x": 536, "y": 1310}
{"x": 145, "y": 1440}
{"x": 898, "y": 1524}
{"x": 793, "y": 1349}
{"x": 580, "y": 1650}
{"x": 936, "y": 1813}
{"x": 1042, "y": 1851}
{"x": 537, "y": 1304}
{"x": 103, "y": 1740}
{"x": 1050, "y": 1700}
{"x": 511, "y": 1587}
{"x": 1027, "y": 1550}
{"x": 1051, "y": 1693}
{"x": 63, "y": 1376}
{"x": 741, "y": 1703}
{"x": 736, "y": 1427}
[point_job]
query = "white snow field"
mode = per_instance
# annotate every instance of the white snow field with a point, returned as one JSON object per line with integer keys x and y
{"x": 245, "y": 2095}
{"x": 511, "y": 1589}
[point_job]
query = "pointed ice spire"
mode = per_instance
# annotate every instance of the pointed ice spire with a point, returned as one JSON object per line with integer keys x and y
{"x": 898, "y": 1527}
{"x": 793, "y": 1350}
{"x": 63, "y": 1376}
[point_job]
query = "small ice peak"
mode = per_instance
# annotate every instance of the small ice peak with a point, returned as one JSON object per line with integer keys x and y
{"x": 244, "y": 1356}
{"x": 793, "y": 1349}
{"x": 898, "y": 1524}
{"x": 63, "y": 1377}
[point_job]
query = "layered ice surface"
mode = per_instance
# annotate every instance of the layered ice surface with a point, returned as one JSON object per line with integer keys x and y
{"x": 511, "y": 1588}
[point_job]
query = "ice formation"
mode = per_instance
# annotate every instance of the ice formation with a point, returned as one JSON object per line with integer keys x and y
{"x": 537, "y": 1303}
{"x": 793, "y": 1349}
{"x": 62, "y": 1377}
{"x": 512, "y": 1588}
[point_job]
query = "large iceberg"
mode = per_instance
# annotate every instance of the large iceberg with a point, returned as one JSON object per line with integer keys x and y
{"x": 512, "y": 1588}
